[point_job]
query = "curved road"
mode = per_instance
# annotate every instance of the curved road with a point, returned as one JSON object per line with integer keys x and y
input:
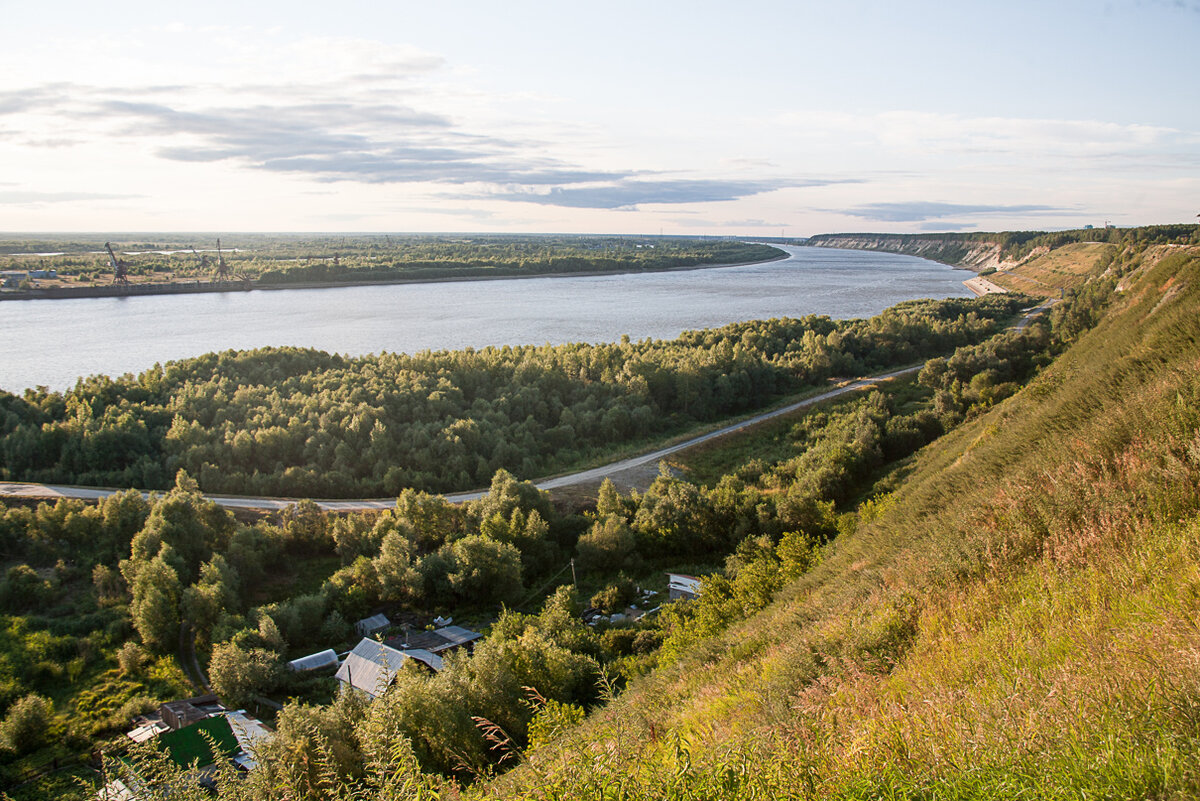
{"x": 12, "y": 489}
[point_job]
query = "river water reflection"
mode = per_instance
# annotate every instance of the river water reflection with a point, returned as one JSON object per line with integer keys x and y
{"x": 53, "y": 342}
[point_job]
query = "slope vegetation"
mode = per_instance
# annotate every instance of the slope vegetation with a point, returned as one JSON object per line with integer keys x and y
{"x": 1017, "y": 620}
{"x": 1031, "y": 262}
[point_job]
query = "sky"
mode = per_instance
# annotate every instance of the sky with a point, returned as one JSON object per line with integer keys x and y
{"x": 706, "y": 118}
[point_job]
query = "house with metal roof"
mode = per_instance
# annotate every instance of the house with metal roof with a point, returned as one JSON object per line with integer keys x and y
{"x": 372, "y": 666}
{"x": 438, "y": 641}
{"x": 681, "y": 585}
{"x": 250, "y": 733}
{"x": 369, "y": 625}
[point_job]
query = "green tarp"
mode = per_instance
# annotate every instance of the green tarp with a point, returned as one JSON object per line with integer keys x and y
{"x": 189, "y": 744}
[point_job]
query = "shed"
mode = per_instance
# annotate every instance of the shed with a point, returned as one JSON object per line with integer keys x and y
{"x": 147, "y": 731}
{"x": 681, "y": 585}
{"x": 324, "y": 659}
{"x": 372, "y": 666}
{"x": 369, "y": 625}
{"x": 456, "y": 636}
{"x": 179, "y": 714}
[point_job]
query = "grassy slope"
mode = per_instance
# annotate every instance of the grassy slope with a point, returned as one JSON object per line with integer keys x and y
{"x": 1020, "y": 621}
{"x": 1043, "y": 274}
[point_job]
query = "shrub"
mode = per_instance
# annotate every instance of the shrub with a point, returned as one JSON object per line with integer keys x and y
{"x": 240, "y": 674}
{"x": 131, "y": 658}
{"x": 24, "y": 727}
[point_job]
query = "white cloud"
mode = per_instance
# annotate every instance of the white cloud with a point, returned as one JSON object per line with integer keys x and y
{"x": 918, "y": 134}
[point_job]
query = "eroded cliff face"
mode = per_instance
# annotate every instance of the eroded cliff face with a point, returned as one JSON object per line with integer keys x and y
{"x": 969, "y": 255}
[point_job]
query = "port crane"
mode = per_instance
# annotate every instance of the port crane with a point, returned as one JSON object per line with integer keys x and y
{"x": 223, "y": 273}
{"x": 201, "y": 259}
{"x": 120, "y": 273}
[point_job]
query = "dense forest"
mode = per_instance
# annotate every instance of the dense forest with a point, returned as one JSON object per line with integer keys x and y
{"x": 303, "y": 423}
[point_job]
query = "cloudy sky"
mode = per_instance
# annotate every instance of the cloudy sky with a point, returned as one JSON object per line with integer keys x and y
{"x": 750, "y": 118}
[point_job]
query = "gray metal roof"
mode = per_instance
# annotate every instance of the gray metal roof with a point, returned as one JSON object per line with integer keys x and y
{"x": 438, "y": 640}
{"x": 372, "y": 624}
{"x": 371, "y": 666}
{"x": 457, "y": 635}
{"x": 326, "y": 658}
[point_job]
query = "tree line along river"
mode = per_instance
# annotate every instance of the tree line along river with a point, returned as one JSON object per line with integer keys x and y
{"x": 53, "y": 342}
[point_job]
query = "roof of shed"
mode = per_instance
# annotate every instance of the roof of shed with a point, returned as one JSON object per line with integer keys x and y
{"x": 438, "y": 640}
{"x": 371, "y": 666}
{"x": 326, "y": 658}
{"x": 372, "y": 624}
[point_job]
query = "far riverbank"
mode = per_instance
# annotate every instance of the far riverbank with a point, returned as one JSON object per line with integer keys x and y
{"x": 196, "y": 287}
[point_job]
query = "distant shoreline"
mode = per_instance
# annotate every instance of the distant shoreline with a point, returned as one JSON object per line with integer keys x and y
{"x": 141, "y": 290}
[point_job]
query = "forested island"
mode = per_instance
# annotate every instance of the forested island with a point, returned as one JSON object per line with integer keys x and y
{"x": 68, "y": 266}
{"x": 979, "y": 582}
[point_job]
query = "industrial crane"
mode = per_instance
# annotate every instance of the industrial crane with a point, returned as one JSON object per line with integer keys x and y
{"x": 222, "y": 267}
{"x": 120, "y": 274}
{"x": 202, "y": 259}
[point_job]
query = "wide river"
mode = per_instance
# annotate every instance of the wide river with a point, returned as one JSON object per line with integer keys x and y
{"x": 53, "y": 342}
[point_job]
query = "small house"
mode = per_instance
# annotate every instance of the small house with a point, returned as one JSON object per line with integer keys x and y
{"x": 180, "y": 714}
{"x": 198, "y": 746}
{"x": 438, "y": 641}
{"x": 372, "y": 666}
{"x": 681, "y": 585}
{"x": 370, "y": 625}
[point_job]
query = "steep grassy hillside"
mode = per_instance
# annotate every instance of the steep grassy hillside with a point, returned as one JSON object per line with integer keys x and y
{"x": 1018, "y": 620}
{"x": 1034, "y": 262}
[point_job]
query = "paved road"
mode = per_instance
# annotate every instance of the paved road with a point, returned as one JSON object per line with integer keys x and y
{"x": 595, "y": 475}
{"x": 600, "y": 473}
{"x": 1034, "y": 312}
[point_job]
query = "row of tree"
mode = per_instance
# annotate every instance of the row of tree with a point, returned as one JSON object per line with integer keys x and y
{"x": 305, "y": 423}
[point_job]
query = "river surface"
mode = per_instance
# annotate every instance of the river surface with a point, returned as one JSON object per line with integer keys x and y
{"x": 54, "y": 342}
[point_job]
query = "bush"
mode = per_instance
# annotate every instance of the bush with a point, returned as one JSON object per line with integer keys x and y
{"x": 24, "y": 727}
{"x": 23, "y": 589}
{"x": 240, "y": 674}
{"x": 131, "y": 658}
{"x": 615, "y": 597}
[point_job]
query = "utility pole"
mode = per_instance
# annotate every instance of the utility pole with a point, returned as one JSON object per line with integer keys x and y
{"x": 574, "y": 579}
